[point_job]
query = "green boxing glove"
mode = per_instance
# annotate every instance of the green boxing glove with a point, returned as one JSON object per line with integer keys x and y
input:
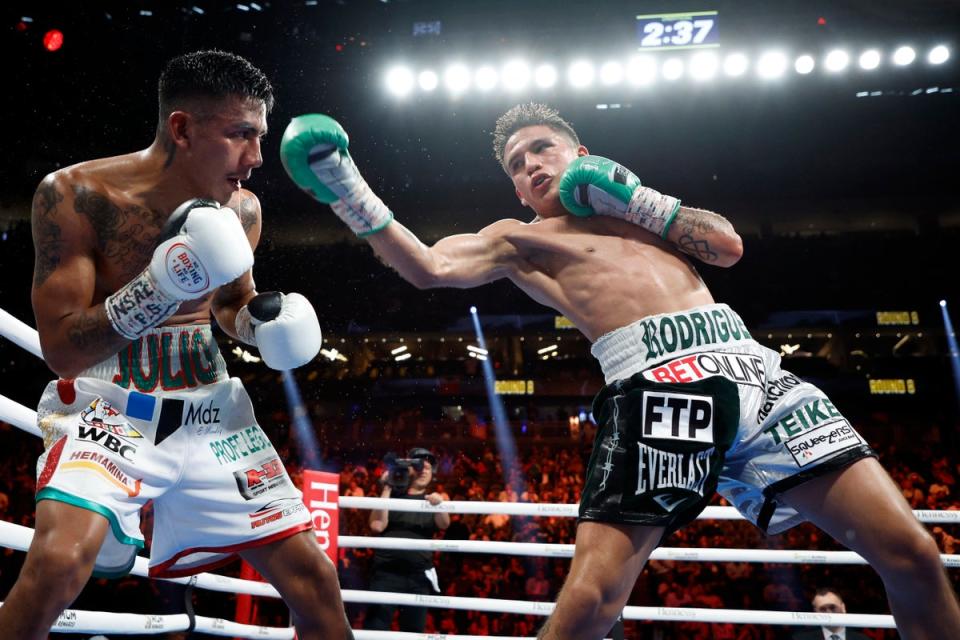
{"x": 596, "y": 185}
{"x": 314, "y": 153}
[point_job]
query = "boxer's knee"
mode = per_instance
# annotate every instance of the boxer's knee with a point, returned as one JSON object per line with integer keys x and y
{"x": 909, "y": 555}
{"x": 57, "y": 573}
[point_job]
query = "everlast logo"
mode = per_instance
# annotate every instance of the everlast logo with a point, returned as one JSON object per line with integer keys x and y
{"x": 200, "y": 414}
{"x": 664, "y": 470}
{"x": 677, "y": 416}
{"x": 107, "y": 441}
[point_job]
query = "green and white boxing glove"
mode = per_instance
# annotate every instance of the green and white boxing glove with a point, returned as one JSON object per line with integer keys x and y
{"x": 597, "y": 185}
{"x": 314, "y": 153}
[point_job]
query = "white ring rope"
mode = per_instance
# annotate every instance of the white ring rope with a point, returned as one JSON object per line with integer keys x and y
{"x": 559, "y": 510}
{"x": 94, "y": 621}
{"x": 662, "y": 614}
{"x": 677, "y": 554}
{"x": 78, "y": 621}
{"x": 20, "y": 333}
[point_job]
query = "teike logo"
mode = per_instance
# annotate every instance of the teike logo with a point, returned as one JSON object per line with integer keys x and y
{"x": 202, "y": 414}
{"x": 677, "y": 416}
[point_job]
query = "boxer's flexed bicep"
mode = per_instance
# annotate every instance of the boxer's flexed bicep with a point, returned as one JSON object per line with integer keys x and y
{"x": 64, "y": 278}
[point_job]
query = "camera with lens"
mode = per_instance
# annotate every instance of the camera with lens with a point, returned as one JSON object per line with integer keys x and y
{"x": 400, "y": 471}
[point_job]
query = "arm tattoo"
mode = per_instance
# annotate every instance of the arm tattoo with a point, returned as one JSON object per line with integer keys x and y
{"x": 694, "y": 225}
{"x": 47, "y": 239}
{"x": 92, "y": 329}
{"x": 125, "y": 237}
{"x": 248, "y": 213}
{"x": 697, "y": 248}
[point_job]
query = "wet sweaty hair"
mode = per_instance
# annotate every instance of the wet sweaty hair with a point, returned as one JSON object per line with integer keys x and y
{"x": 528, "y": 115}
{"x": 210, "y": 74}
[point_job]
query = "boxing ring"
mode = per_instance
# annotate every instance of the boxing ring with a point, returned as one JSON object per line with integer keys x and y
{"x": 18, "y": 537}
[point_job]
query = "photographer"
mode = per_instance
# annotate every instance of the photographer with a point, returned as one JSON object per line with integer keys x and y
{"x": 405, "y": 571}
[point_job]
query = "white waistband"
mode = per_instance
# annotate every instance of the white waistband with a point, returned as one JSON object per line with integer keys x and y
{"x": 648, "y": 341}
{"x": 165, "y": 359}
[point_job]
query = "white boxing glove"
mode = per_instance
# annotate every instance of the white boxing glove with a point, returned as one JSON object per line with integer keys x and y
{"x": 203, "y": 246}
{"x": 283, "y": 326}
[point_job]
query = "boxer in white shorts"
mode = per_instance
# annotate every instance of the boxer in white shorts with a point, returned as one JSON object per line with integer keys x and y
{"x": 217, "y": 484}
{"x": 609, "y": 274}
{"x": 131, "y": 264}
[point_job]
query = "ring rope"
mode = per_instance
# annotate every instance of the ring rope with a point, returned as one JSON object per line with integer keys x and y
{"x": 79, "y": 621}
{"x": 677, "y": 554}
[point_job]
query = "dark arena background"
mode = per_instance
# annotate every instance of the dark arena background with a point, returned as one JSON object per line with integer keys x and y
{"x": 826, "y": 132}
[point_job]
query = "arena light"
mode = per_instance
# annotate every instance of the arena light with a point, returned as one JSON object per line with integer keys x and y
{"x": 836, "y": 60}
{"x": 703, "y": 65}
{"x": 611, "y": 73}
{"x": 904, "y": 56}
{"x": 804, "y": 64}
{"x": 580, "y": 74}
{"x": 515, "y": 75}
{"x": 428, "y": 80}
{"x": 869, "y": 60}
{"x": 735, "y": 65}
{"x": 545, "y": 76}
{"x": 400, "y": 81}
{"x": 476, "y": 350}
{"x": 771, "y": 65}
{"x": 456, "y": 77}
{"x": 938, "y": 55}
{"x": 402, "y": 357}
{"x": 485, "y": 78}
{"x": 547, "y": 349}
{"x": 53, "y": 40}
{"x": 672, "y": 69}
{"x": 641, "y": 70}
{"x": 400, "y": 349}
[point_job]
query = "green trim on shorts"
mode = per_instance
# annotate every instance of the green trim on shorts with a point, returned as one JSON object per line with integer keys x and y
{"x": 49, "y": 493}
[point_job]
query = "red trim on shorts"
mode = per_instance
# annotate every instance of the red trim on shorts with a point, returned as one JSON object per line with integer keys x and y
{"x": 52, "y": 462}
{"x": 163, "y": 570}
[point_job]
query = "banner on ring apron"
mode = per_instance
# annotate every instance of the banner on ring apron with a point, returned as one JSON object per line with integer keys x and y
{"x": 321, "y": 494}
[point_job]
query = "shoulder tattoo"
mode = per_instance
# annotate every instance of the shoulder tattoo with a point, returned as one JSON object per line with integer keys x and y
{"x": 47, "y": 236}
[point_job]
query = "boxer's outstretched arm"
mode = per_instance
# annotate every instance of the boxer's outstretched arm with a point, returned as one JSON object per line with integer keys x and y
{"x": 707, "y": 236}
{"x": 463, "y": 261}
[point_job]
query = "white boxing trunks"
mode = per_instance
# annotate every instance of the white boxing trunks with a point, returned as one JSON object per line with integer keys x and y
{"x": 162, "y": 421}
{"x": 789, "y": 430}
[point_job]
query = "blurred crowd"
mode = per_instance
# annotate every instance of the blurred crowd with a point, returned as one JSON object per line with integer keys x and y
{"x": 549, "y": 471}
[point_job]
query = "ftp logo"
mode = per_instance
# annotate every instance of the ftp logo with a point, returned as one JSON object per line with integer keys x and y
{"x": 267, "y": 471}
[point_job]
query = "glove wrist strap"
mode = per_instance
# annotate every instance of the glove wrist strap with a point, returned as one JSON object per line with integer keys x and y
{"x": 243, "y": 326}
{"x": 138, "y": 306}
{"x": 363, "y": 211}
{"x": 652, "y": 210}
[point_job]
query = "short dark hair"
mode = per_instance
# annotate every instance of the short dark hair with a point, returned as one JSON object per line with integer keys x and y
{"x": 528, "y": 115}
{"x": 211, "y": 74}
{"x": 822, "y": 591}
